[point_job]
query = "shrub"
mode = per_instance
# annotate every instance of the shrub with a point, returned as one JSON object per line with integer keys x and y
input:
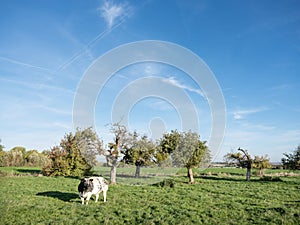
{"x": 166, "y": 183}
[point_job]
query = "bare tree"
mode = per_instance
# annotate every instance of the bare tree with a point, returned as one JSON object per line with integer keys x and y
{"x": 115, "y": 148}
{"x": 248, "y": 163}
{"x": 242, "y": 159}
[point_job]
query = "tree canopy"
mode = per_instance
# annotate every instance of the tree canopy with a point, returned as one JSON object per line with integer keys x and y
{"x": 261, "y": 163}
{"x": 139, "y": 151}
{"x": 292, "y": 160}
{"x": 185, "y": 149}
{"x": 243, "y": 159}
{"x": 75, "y": 156}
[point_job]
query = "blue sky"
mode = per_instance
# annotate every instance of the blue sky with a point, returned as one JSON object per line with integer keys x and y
{"x": 252, "y": 47}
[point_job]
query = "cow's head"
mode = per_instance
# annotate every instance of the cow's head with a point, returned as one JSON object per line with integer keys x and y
{"x": 85, "y": 186}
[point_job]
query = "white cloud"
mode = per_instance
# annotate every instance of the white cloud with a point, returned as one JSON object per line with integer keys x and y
{"x": 240, "y": 114}
{"x": 159, "y": 104}
{"x": 176, "y": 83}
{"x": 111, "y": 12}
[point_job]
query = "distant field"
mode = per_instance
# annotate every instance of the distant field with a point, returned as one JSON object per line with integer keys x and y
{"x": 220, "y": 196}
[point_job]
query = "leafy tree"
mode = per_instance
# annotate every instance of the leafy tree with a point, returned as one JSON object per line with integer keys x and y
{"x": 185, "y": 150}
{"x": 15, "y": 157}
{"x": 57, "y": 165}
{"x": 190, "y": 152}
{"x": 261, "y": 163}
{"x": 1, "y": 146}
{"x": 292, "y": 160}
{"x": 75, "y": 156}
{"x": 34, "y": 158}
{"x": 77, "y": 164}
{"x": 89, "y": 144}
{"x": 167, "y": 145}
{"x": 139, "y": 152}
{"x": 2, "y": 154}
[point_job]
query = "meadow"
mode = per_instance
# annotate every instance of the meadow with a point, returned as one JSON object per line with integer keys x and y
{"x": 219, "y": 196}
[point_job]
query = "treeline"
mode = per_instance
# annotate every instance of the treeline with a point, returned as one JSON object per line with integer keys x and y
{"x": 76, "y": 154}
{"x": 19, "y": 156}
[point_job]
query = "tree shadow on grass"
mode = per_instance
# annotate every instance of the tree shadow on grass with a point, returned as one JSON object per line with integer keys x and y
{"x": 63, "y": 196}
{"x": 29, "y": 171}
{"x": 123, "y": 175}
{"x": 239, "y": 179}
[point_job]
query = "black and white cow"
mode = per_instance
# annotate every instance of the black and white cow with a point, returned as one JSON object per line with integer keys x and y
{"x": 92, "y": 186}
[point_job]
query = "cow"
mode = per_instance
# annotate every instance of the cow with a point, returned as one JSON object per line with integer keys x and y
{"x": 92, "y": 186}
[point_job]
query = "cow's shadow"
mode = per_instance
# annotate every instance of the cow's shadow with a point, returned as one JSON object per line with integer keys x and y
{"x": 63, "y": 196}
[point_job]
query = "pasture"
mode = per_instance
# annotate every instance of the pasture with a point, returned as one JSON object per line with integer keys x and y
{"x": 219, "y": 196}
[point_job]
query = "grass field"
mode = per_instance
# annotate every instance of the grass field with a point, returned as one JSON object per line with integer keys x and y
{"x": 219, "y": 196}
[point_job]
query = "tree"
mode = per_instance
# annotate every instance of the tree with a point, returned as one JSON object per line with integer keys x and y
{"x": 15, "y": 157}
{"x": 190, "y": 152}
{"x": 2, "y": 154}
{"x": 75, "y": 155}
{"x": 166, "y": 146}
{"x": 261, "y": 163}
{"x": 113, "y": 153}
{"x": 1, "y": 146}
{"x": 34, "y": 158}
{"x": 292, "y": 160}
{"x": 57, "y": 164}
{"x": 241, "y": 159}
{"x": 89, "y": 144}
{"x": 139, "y": 152}
{"x": 244, "y": 160}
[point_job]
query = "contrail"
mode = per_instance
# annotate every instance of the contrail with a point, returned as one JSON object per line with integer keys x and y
{"x": 89, "y": 45}
{"x": 24, "y": 64}
{"x": 79, "y": 53}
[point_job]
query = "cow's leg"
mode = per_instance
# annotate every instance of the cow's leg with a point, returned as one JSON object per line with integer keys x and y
{"x": 104, "y": 195}
{"x": 97, "y": 197}
{"x": 82, "y": 201}
{"x": 88, "y": 198}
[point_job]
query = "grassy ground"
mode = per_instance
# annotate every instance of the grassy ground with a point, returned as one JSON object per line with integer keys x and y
{"x": 214, "y": 199}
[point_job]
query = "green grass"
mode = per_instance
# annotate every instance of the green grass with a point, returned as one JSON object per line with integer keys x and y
{"x": 214, "y": 199}
{"x": 19, "y": 171}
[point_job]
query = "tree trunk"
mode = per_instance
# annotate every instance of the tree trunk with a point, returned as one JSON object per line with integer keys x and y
{"x": 137, "y": 171}
{"x": 112, "y": 161}
{"x": 190, "y": 175}
{"x": 249, "y": 163}
{"x": 113, "y": 174}
{"x": 261, "y": 172}
{"x": 248, "y": 174}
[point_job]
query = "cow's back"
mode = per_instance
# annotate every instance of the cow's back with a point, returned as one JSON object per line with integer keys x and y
{"x": 100, "y": 184}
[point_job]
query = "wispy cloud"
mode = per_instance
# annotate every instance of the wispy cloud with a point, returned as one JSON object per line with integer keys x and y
{"x": 38, "y": 86}
{"x": 114, "y": 15}
{"x": 162, "y": 105}
{"x": 55, "y": 110}
{"x": 176, "y": 83}
{"x": 17, "y": 62}
{"x": 281, "y": 87}
{"x": 259, "y": 127}
{"x": 240, "y": 114}
{"x": 112, "y": 12}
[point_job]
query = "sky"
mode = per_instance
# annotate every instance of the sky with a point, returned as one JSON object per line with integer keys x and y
{"x": 252, "y": 49}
